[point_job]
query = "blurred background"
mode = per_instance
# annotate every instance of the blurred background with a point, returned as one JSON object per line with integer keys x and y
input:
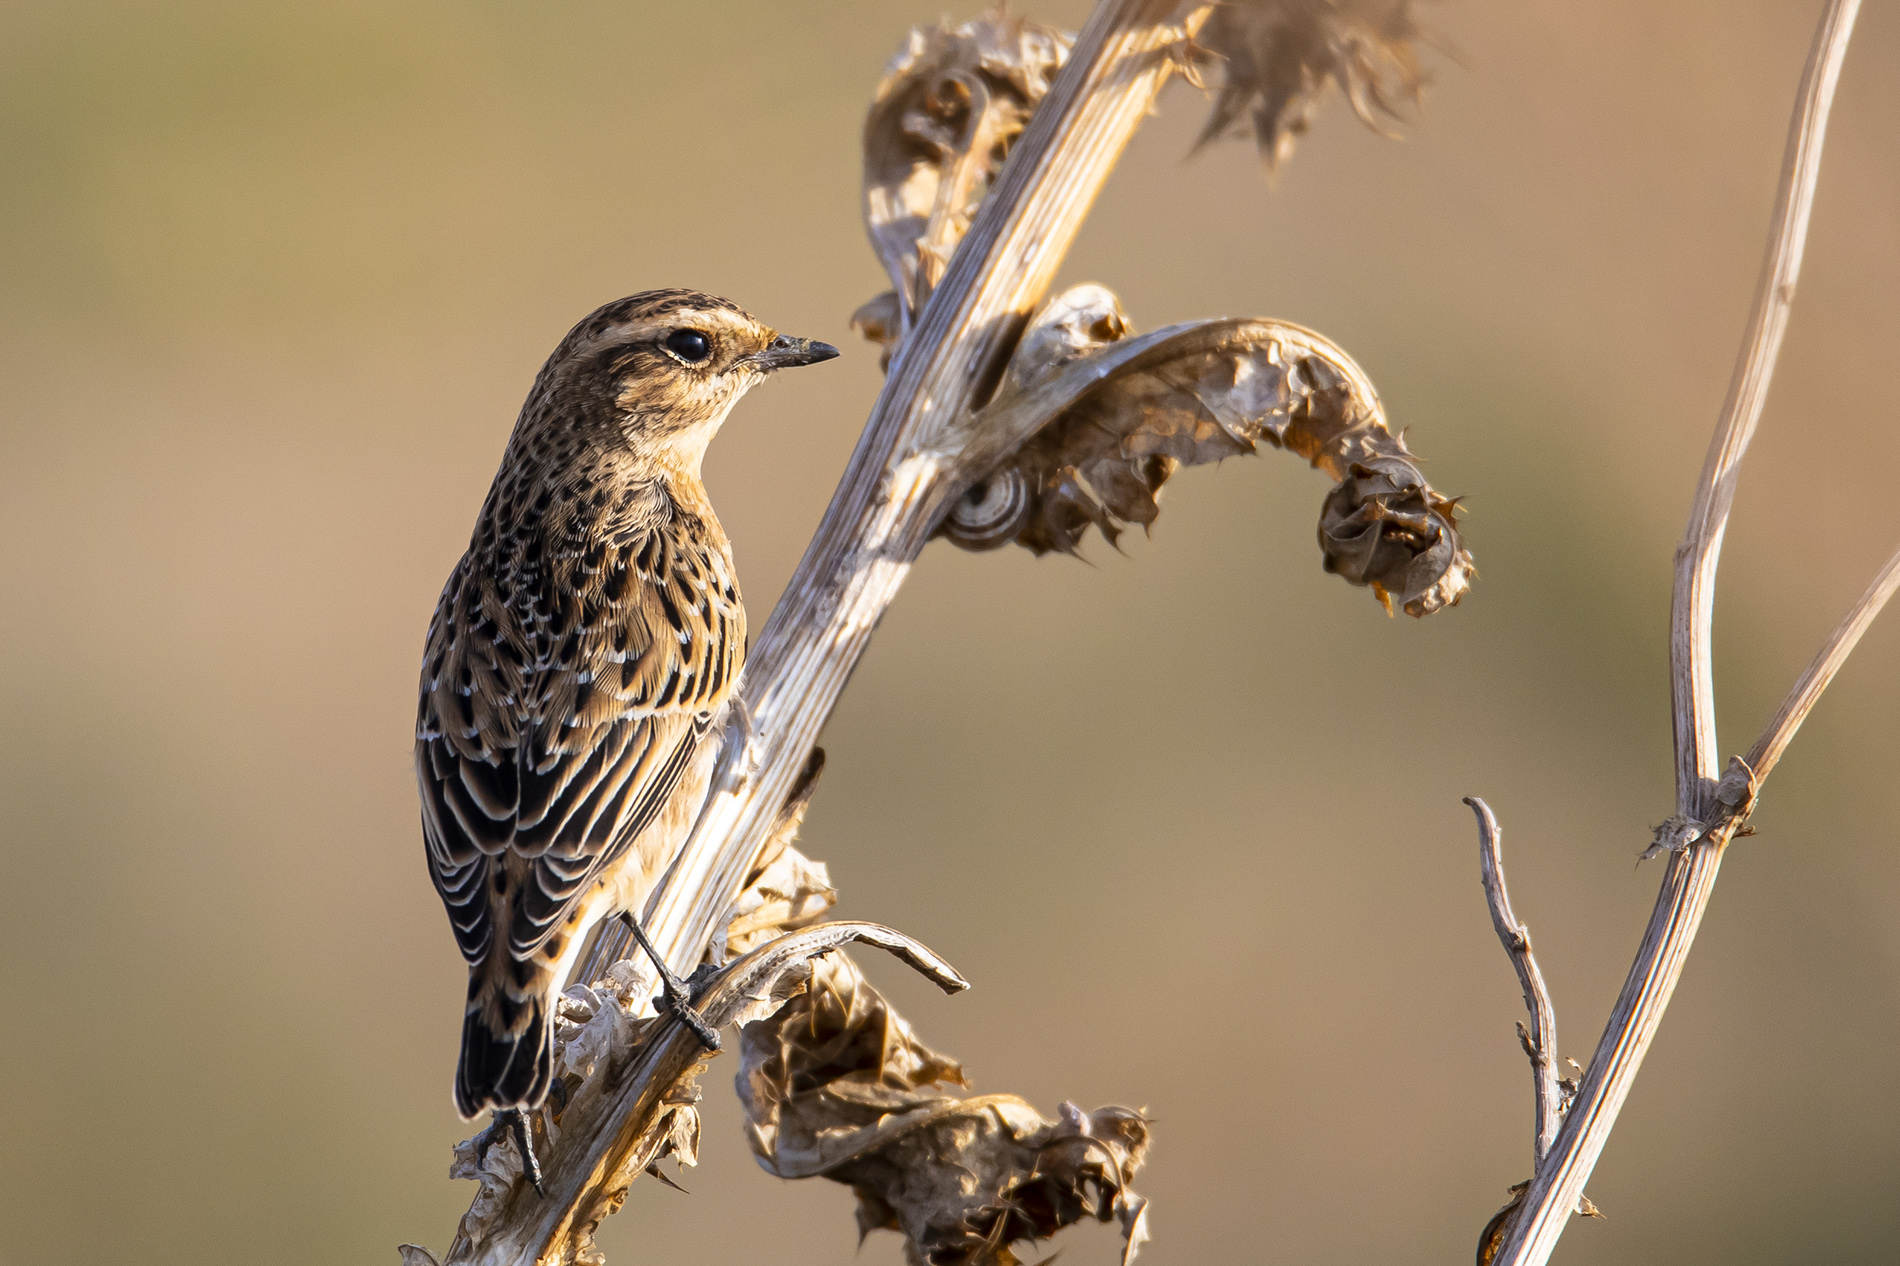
{"x": 274, "y": 280}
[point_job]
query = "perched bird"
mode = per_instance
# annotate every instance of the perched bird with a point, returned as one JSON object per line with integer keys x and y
{"x": 579, "y": 664}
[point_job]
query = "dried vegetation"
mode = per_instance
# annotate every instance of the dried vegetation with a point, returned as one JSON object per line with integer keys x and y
{"x": 1077, "y": 421}
{"x": 1097, "y": 417}
{"x": 1111, "y": 415}
{"x": 836, "y": 1085}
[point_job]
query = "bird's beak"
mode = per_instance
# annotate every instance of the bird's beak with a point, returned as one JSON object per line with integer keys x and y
{"x": 786, "y": 351}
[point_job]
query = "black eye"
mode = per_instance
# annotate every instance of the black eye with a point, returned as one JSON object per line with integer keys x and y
{"x": 689, "y": 345}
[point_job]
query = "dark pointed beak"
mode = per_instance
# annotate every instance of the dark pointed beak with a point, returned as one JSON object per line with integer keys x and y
{"x": 787, "y": 351}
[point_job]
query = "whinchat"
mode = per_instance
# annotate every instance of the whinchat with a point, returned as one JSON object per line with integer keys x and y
{"x": 580, "y": 662}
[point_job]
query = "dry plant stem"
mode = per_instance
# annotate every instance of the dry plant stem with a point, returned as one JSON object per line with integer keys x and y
{"x": 1801, "y": 699}
{"x": 1541, "y": 1043}
{"x": 1698, "y": 761}
{"x": 912, "y": 459}
{"x": 917, "y": 453}
{"x": 1690, "y": 879}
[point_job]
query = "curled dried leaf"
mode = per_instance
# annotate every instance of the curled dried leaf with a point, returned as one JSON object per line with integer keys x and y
{"x": 838, "y": 1022}
{"x": 491, "y": 1160}
{"x": 784, "y": 890}
{"x": 793, "y": 892}
{"x": 940, "y": 125}
{"x": 836, "y": 1084}
{"x": 673, "y": 1131}
{"x": 1278, "y": 56}
{"x": 1111, "y": 416}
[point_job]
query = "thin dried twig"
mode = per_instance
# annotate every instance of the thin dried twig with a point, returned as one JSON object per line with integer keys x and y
{"x": 1552, "y": 1093}
{"x": 1827, "y": 661}
{"x": 1698, "y": 763}
{"x": 1540, "y": 1040}
{"x": 1708, "y": 809}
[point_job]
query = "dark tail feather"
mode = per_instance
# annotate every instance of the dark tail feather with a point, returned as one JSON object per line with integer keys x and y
{"x": 499, "y": 1070}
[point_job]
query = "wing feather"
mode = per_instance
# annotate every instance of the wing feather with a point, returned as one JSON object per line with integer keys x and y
{"x": 563, "y": 696}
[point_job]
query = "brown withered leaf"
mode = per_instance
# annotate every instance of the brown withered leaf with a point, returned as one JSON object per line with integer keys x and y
{"x": 784, "y": 890}
{"x": 1112, "y": 415}
{"x": 1278, "y": 56}
{"x": 941, "y": 122}
{"x": 836, "y": 1085}
{"x": 792, "y": 892}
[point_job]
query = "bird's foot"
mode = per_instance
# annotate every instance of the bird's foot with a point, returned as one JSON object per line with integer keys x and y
{"x": 514, "y": 1122}
{"x": 678, "y": 999}
{"x": 676, "y": 996}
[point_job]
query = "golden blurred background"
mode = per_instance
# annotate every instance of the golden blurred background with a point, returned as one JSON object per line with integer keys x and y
{"x": 273, "y": 282}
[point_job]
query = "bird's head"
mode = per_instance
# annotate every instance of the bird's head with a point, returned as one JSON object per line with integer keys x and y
{"x": 659, "y": 371}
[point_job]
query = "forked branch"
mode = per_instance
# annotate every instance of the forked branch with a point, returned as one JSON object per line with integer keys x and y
{"x": 1710, "y": 805}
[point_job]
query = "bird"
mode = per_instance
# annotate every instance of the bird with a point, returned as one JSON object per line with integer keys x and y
{"x": 579, "y": 666}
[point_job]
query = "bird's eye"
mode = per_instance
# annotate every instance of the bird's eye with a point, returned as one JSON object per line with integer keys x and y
{"x": 689, "y": 345}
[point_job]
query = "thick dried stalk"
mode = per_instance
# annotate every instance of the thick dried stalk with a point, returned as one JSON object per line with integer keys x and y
{"x": 1690, "y": 879}
{"x": 913, "y": 459}
{"x": 919, "y": 451}
{"x": 1540, "y": 1040}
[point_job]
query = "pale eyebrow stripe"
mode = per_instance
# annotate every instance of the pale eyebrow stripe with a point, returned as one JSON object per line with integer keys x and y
{"x": 627, "y": 332}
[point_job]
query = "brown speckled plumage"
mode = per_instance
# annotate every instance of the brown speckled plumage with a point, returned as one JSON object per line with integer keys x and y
{"x": 579, "y": 662}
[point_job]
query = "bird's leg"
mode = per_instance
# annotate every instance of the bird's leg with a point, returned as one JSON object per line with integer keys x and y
{"x": 679, "y": 999}
{"x": 515, "y": 1121}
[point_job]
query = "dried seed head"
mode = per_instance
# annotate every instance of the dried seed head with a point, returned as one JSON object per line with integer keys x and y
{"x": 1278, "y": 56}
{"x": 1383, "y": 526}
